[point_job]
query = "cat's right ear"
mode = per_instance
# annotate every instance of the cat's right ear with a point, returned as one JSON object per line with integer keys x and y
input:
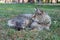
{"x": 35, "y": 8}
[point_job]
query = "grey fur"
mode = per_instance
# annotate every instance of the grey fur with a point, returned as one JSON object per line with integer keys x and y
{"x": 41, "y": 20}
{"x": 21, "y": 21}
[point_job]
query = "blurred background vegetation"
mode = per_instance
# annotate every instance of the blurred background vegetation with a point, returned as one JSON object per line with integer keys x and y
{"x": 8, "y": 11}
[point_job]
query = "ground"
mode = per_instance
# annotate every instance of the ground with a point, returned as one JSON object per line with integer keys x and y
{"x": 8, "y": 11}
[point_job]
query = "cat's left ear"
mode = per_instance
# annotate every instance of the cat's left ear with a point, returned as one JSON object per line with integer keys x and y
{"x": 41, "y": 11}
{"x": 35, "y": 9}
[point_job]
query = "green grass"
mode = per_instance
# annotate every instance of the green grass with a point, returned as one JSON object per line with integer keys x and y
{"x": 8, "y": 11}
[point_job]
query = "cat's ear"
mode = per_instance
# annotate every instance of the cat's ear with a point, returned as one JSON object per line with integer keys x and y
{"x": 35, "y": 8}
{"x": 41, "y": 11}
{"x": 38, "y": 11}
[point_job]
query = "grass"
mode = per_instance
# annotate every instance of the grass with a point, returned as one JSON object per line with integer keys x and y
{"x": 8, "y": 11}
